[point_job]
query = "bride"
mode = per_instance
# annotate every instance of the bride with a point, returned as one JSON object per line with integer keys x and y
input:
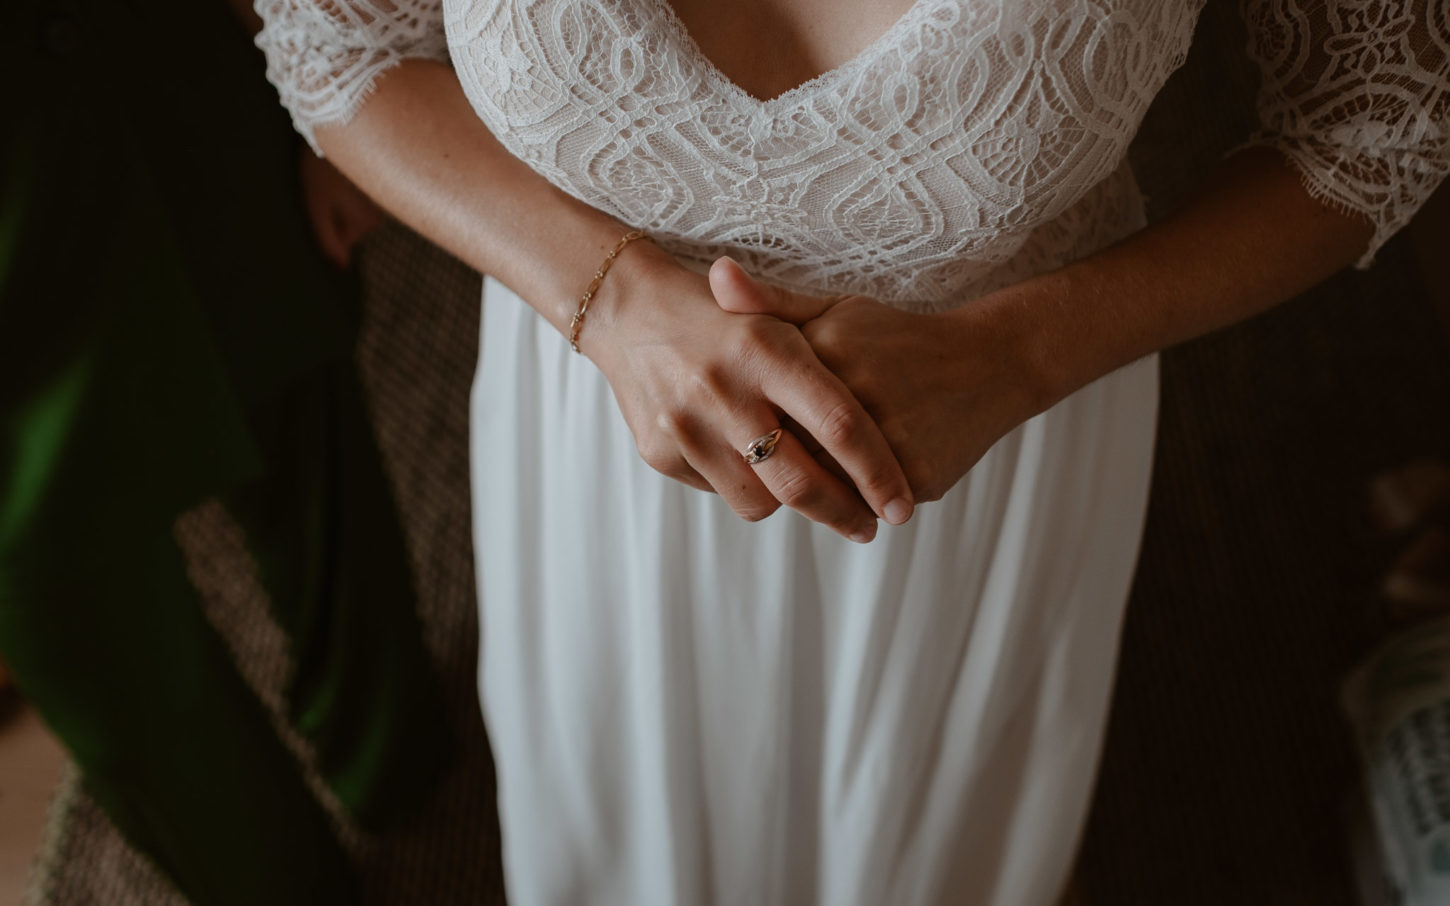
{"x": 802, "y": 583}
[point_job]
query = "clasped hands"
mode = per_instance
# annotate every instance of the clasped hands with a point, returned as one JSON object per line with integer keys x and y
{"x": 882, "y": 408}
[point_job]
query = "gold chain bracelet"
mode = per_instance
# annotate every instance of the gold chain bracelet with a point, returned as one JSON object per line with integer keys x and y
{"x": 593, "y": 287}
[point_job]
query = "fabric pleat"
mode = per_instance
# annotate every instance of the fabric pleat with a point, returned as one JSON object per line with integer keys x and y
{"x": 689, "y": 708}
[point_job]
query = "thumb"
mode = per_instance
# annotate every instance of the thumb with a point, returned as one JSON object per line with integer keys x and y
{"x": 738, "y": 292}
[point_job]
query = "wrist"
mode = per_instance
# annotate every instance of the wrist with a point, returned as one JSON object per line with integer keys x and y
{"x": 576, "y": 324}
{"x": 1034, "y": 373}
{"x": 638, "y": 276}
{"x": 554, "y": 272}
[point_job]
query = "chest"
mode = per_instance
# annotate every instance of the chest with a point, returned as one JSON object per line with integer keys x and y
{"x": 951, "y": 135}
{"x": 768, "y": 47}
{"x": 974, "y": 68}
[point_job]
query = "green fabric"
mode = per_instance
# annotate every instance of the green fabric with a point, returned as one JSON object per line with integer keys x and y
{"x": 330, "y": 551}
{"x": 173, "y": 746}
{"x": 168, "y": 332}
{"x": 110, "y": 369}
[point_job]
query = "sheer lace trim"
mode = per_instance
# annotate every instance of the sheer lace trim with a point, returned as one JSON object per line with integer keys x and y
{"x": 1357, "y": 96}
{"x": 324, "y": 56}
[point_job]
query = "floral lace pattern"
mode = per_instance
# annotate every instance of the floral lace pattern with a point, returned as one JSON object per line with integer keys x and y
{"x": 912, "y": 173}
{"x": 1357, "y": 96}
{"x": 974, "y": 143}
{"x": 325, "y": 55}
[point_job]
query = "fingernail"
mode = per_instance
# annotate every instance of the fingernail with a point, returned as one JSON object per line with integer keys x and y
{"x": 864, "y": 536}
{"x": 898, "y": 511}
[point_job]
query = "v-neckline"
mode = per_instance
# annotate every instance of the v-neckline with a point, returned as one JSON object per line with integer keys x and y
{"x": 689, "y": 49}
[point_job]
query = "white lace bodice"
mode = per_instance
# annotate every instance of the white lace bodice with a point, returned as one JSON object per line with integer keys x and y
{"x": 974, "y": 143}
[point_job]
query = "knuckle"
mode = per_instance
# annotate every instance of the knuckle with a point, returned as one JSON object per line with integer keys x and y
{"x": 672, "y": 423}
{"x": 822, "y": 334}
{"x": 795, "y": 490}
{"x": 839, "y": 425}
{"x": 759, "y": 335}
{"x": 663, "y": 458}
{"x": 884, "y": 479}
{"x": 759, "y": 329}
{"x": 714, "y": 381}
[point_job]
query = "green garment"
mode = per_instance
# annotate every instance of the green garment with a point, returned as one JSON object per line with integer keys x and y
{"x": 168, "y": 332}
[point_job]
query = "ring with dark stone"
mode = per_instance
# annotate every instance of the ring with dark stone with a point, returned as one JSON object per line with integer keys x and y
{"x": 759, "y": 450}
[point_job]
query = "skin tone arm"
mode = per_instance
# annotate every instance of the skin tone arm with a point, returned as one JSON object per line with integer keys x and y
{"x": 945, "y": 387}
{"x": 694, "y": 383}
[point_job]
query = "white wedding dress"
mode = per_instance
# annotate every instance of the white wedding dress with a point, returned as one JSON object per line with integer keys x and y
{"x": 689, "y": 709}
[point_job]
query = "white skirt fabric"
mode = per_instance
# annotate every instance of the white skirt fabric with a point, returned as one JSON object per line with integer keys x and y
{"x": 687, "y": 709}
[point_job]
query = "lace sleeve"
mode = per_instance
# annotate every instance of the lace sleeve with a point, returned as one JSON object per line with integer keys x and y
{"x": 325, "y": 55}
{"x": 1356, "y": 94}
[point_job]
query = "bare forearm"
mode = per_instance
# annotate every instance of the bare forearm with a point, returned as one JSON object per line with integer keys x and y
{"x": 1250, "y": 238}
{"x": 690, "y": 379}
{"x": 419, "y": 150}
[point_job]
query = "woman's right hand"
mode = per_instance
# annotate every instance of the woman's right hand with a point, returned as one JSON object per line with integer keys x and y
{"x": 697, "y": 384}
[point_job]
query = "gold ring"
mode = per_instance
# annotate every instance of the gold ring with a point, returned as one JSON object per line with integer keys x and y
{"x": 760, "y": 449}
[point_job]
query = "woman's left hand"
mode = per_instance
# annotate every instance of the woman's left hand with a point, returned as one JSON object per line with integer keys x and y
{"x": 943, "y": 387}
